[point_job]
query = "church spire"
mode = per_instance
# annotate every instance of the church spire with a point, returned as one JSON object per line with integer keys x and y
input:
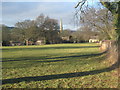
{"x": 61, "y": 26}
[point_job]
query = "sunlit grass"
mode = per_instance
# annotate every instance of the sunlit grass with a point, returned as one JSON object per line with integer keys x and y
{"x": 58, "y": 59}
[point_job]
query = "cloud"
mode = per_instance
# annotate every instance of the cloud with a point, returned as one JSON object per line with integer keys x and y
{"x": 55, "y": 0}
{"x": 40, "y": 0}
{"x": 18, "y": 11}
{"x": 1, "y": 13}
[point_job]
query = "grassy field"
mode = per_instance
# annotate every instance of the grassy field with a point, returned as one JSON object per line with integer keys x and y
{"x": 57, "y": 66}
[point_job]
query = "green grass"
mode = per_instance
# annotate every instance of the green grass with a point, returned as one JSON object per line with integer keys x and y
{"x": 56, "y": 66}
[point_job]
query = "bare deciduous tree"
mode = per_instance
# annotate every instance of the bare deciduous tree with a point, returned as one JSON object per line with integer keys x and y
{"x": 100, "y": 20}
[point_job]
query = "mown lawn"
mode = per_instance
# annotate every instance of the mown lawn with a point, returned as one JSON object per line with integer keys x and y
{"x": 57, "y": 66}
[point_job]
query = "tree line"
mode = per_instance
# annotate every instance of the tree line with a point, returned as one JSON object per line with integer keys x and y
{"x": 42, "y": 28}
{"x": 32, "y": 30}
{"x": 94, "y": 22}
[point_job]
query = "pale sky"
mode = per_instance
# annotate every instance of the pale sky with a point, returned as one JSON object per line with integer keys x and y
{"x": 12, "y": 11}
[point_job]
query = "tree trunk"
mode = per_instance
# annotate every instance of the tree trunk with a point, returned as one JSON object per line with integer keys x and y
{"x": 119, "y": 51}
{"x": 116, "y": 15}
{"x": 118, "y": 32}
{"x": 26, "y": 42}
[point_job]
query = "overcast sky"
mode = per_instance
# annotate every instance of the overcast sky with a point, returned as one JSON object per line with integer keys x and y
{"x": 13, "y": 12}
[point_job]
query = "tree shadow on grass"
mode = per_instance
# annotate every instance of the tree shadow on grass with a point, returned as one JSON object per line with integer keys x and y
{"x": 72, "y": 60}
{"x": 59, "y": 76}
{"x": 44, "y": 58}
{"x": 40, "y": 60}
{"x": 46, "y": 48}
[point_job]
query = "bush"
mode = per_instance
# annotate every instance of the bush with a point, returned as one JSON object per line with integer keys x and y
{"x": 5, "y": 43}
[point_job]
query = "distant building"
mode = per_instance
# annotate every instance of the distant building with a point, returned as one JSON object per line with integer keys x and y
{"x": 93, "y": 39}
{"x": 30, "y": 43}
{"x": 15, "y": 43}
{"x": 40, "y": 42}
{"x": 65, "y": 38}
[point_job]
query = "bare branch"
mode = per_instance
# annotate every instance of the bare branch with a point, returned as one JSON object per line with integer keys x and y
{"x": 82, "y": 3}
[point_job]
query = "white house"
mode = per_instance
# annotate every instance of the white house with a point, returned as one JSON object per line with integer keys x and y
{"x": 93, "y": 40}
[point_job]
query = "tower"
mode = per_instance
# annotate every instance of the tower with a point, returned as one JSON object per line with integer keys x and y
{"x": 61, "y": 26}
